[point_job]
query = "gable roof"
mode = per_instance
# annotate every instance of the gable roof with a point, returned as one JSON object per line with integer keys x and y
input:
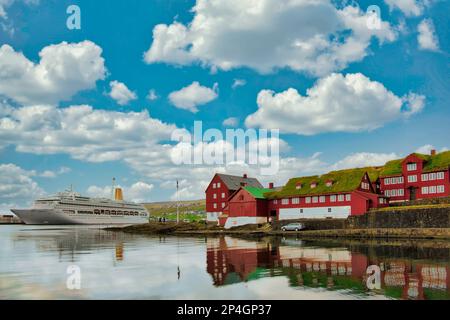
{"x": 440, "y": 161}
{"x": 343, "y": 181}
{"x": 234, "y": 182}
{"x": 257, "y": 193}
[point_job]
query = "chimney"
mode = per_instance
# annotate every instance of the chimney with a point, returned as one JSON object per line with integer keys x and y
{"x": 433, "y": 152}
{"x": 270, "y": 185}
{"x": 118, "y": 195}
{"x": 245, "y": 176}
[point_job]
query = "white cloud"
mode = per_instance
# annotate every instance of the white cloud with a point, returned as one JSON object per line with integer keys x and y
{"x": 138, "y": 192}
{"x": 83, "y": 132}
{"x": 4, "y": 4}
{"x": 17, "y": 188}
{"x": 238, "y": 83}
{"x": 426, "y": 149}
{"x": 192, "y": 96}
{"x": 363, "y": 159}
{"x": 427, "y": 37}
{"x": 304, "y": 35}
{"x": 152, "y": 96}
{"x": 63, "y": 70}
{"x": 230, "y": 122}
{"x": 121, "y": 93}
{"x": 50, "y": 173}
{"x": 408, "y": 7}
{"x": 336, "y": 103}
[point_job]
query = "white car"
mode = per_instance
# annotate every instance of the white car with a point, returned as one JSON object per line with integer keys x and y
{"x": 297, "y": 226}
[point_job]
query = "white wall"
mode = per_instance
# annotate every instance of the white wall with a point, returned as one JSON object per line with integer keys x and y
{"x": 213, "y": 216}
{"x": 241, "y": 221}
{"x": 322, "y": 212}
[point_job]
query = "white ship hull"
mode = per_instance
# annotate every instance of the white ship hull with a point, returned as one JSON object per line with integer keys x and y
{"x": 58, "y": 217}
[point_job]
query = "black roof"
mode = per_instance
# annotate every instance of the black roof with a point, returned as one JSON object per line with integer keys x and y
{"x": 235, "y": 182}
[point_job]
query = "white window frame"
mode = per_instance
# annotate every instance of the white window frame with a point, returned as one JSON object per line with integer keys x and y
{"x": 215, "y": 205}
{"x": 424, "y": 177}
{"x": 440, "y": 189}
{"x": 223, "y": 195}
{"x": 433, "y": 176}
{"x": 308, "y": 200}
{"x": 333, "y": 198}
{"x": 440, "y": 175}
{"x": 214, "y": 195}
{"x": 285, "y": 201}
{"x": 412, "y": 178}
{"x": 425, "y": 190}
{"x": 223, "y": 205}
{"x": 432, "y": 189}
{"x": 401, "y": 192}
{"x": 218, "y": 184}
{"x": 348, "y": 197}
{"x": 315, "y": 199}
{"x": 214, "y": 185}
{"x": 341, "y": 197}
{"x": 295, "y": 200}
{"x": 322, "y": 199}
{"x": 411, "y": 166}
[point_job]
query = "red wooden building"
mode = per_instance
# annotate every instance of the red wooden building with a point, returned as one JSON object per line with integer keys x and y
{"x": 417, "y": 176}
{"x": 337, "y": 194}
{"x": 246, "y": 206}
{"x": 219, "y": 190}
{"x": 235, "y": 201}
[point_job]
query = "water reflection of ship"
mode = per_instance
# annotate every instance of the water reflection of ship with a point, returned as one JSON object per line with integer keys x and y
{"x": 234, "y": 260}
{"x": 72, "y": 242}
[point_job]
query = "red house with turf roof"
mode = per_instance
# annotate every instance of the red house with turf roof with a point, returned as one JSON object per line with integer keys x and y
{"x": 417, "y": 176}
{"x": 337, "y": 194}
{"x": 246, "y": 206}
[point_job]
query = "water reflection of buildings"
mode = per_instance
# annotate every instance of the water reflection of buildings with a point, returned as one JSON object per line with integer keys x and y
{"x": 231, "y": 260}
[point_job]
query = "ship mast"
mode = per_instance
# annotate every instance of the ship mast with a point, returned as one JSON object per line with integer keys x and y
{"x": 113, "y": 187}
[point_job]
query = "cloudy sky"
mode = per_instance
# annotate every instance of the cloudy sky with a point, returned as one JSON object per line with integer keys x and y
{"x": 82, "y": 106}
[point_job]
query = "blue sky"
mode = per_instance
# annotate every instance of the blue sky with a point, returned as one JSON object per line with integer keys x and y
{"x": 381, "y": 96}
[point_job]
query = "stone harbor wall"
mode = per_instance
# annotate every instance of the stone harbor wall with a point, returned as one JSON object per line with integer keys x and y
{"x": 414, "y": 218}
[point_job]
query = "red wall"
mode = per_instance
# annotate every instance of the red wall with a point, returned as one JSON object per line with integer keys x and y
{"x": 244, "y": 204}
{"x": 210, "y": 198}
{"x": 419, "y": 184}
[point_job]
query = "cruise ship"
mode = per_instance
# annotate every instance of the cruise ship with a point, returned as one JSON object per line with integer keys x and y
{"x": 69, "y": 207}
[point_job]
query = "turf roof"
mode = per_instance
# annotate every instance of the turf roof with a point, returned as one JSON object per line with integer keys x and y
{"x": 440, "y": 161}
{"x": 343, "y": 181}
{"x": 257, "y": 193}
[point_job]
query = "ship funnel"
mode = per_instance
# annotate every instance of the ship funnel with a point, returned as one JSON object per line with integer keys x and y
{"x": 118, "y": 196}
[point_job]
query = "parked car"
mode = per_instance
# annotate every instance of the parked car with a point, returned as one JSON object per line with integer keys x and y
{"x": 293, "y": 227}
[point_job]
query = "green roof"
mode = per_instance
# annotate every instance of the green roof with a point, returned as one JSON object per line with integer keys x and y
{"x": 440, "y": 161}
{"x": 257, "y": 193}
{"x": 343, "y": 181}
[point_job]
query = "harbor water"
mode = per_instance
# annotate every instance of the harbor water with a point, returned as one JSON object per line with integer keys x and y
{"x": 80, "y": 262}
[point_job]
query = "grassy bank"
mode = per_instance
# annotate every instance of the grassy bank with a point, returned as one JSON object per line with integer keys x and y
{"x": 170, "y": 228}
{"x": 191, "y": 211}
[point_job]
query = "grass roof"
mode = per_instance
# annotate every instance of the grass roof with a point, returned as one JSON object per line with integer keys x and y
{"x": 257, "y": 193}
{"x": 440, "y": 161}
{"x": 343, "y": 181}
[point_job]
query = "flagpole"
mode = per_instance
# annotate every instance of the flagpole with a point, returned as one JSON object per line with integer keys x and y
{"x": 178, "y": 211}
